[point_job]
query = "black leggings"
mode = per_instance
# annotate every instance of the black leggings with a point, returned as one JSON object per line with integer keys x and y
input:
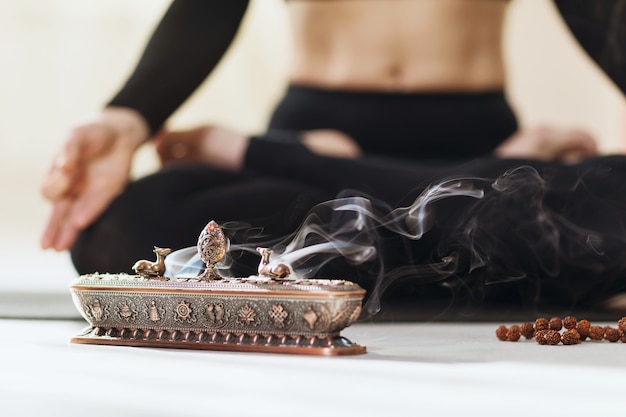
{"x": 541, "y": 234}
{"x": 407, "y": 126}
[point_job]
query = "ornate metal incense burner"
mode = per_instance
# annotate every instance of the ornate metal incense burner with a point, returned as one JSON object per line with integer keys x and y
{"x": 265, "y": 313}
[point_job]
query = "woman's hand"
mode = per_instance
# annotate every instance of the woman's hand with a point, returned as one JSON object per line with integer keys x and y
{"x": 92, "y": 168}
{"x": 549, "y": 144}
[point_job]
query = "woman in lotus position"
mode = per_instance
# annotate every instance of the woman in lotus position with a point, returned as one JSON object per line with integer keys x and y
{"x": 385, "y": 97}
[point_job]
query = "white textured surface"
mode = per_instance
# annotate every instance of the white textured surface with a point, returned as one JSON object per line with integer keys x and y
{"x": 410, "y": 370}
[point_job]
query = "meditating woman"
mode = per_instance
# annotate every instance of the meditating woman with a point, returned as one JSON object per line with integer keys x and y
{"x": 385, "y": 98}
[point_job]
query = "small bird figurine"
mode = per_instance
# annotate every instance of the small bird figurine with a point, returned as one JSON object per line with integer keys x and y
{"x": 211, "y": 247}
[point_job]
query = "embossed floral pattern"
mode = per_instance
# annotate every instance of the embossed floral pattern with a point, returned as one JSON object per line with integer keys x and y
{"x": 247, "y": 316}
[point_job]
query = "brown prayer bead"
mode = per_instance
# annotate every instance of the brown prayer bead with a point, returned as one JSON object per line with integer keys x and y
{"x": 622, "y": 336}
{"x": 555, "y": 324}
{"x": 621, "y": 324}
{"x": 501, "y": 333}
{"x": 583, "y": 327}
{"x": 569, "y": 322}
{"x": 513, "y": 334}
{"x": 540, "y": 337}
{"x": 542, "y": 324}
{"x": 527, "y": 330}
{"x": 596, "y": 333}
{"x": 611, "y": 334}
{"x": 570, "y": 337}
{"x": 552, "y": 337}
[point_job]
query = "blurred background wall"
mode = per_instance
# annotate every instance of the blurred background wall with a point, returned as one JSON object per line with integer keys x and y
{"x": 61, "y": 60}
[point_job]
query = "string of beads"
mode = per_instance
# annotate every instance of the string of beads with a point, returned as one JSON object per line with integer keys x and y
{"x": 568, "y": 331}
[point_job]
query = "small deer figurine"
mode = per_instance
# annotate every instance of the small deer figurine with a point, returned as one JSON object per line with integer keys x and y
{"x": 274, "y": 271}
{"x": 152, "y": 269}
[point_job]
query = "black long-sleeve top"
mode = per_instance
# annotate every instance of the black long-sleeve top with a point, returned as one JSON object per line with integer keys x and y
{"x": 187, "y": 44}
{"x": 193, "y": 36}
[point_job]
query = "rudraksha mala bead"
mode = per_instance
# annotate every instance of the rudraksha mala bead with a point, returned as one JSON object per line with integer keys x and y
{"x": 513, "y": 334}
{"x": 583, "y": 327}
{"x": 542, "y": 324}
{"x": 555, "y": 323}
{"x": 553, "y": 337}
{"x": 548, "y": 337}
{"x": 611, "y": 334}
{"x": 501, "y": 333}
{"x": 570, "y": 337}
{"x": 570, "y": 322}
{"x": 596, "y": 333}
{"x": 621, "y": 327}
{"x": 540, "y": 337}
{"x": 527, "y": 330}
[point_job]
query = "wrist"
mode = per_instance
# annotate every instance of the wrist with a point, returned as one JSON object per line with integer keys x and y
{"x": 128, "y": 124}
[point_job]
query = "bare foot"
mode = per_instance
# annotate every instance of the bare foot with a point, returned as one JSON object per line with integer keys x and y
{"x": 213, "y": 145}
{"x": 333, "y": 143}
{"x": 549, "y": 144}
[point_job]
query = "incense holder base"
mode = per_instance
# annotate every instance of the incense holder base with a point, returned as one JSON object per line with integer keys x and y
{"x": 254, "y": 314}
{"x": 230, "y": 342}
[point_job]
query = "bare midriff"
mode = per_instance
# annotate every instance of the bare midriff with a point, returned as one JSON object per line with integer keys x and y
{"x": 398, "y": 45}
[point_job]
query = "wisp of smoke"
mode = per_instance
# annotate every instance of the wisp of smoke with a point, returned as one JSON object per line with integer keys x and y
{"x": 346, "y": 228}
{"x": 465, "y": 234}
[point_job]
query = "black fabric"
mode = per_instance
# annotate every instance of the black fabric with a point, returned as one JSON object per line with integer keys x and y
{"x": 551, "y": 236}
{"x": 544, "y": 235}
{"x": 404, "y": 125}
{"x": 171, "y": 207}
{"x": 424, "y": 133}
{"x": 600, "y": 28}
{"x": 185, "y": 47}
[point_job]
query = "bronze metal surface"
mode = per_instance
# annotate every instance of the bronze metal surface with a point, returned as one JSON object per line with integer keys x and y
{"x": 318, "y": 308}
{"x": 265, "y": 313}
{"x": 230, "y": 342}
